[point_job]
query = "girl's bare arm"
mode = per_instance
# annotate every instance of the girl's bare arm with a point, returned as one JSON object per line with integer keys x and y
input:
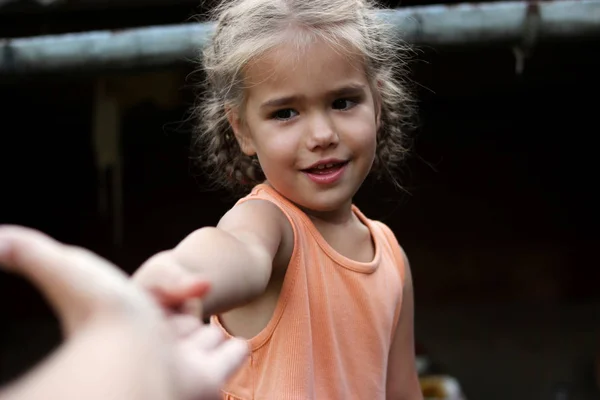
{"x": 236, "y": 258}
{"x": 402, "y": 377}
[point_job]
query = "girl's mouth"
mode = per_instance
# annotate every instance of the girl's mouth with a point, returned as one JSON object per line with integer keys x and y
{"x": 326, "y": 173}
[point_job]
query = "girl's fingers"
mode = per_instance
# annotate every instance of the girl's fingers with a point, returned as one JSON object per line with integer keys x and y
{"x": 171, "y": 285}
{"x": 181, "y": 297}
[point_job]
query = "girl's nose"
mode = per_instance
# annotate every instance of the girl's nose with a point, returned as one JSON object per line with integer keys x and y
{"x": 322, "y": 133}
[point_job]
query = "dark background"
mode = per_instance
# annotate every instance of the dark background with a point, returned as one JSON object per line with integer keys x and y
{"x": 499, "y": 218}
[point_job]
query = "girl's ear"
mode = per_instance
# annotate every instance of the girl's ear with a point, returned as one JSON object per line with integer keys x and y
{"x": 240, "y": 130}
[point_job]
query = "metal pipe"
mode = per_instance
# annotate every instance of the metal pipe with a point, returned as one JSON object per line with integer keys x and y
{"x": 437, "y": 25}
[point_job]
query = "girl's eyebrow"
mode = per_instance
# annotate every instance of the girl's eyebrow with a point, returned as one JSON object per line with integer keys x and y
{"x": 348, "y": 90}
{"x": 280, "y": 101}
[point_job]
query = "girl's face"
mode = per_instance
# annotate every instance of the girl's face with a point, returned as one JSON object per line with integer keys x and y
{"x": 312, "y": 121}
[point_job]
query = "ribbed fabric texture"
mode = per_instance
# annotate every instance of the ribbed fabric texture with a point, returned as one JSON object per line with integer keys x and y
{"x": 331, "y": 332}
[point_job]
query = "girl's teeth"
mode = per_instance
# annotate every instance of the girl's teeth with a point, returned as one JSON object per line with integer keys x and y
{"x": 322, "y": 166}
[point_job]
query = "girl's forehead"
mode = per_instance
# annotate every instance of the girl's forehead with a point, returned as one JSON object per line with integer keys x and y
{"x": 286, "y": 64}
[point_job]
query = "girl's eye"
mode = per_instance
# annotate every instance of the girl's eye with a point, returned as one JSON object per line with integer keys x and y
{"x": 343, "y": 104}
{"x": 285, "y": 114}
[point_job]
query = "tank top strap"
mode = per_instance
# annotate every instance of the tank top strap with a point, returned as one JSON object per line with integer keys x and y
{"x": 399, "y": 262}
{"x": 394, "y": 246}
{"x": 267, "y": 193}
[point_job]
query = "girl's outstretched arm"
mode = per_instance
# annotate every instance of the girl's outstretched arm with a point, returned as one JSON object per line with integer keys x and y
{"x": 402, "y": 377}
{"x": 236, "y": 258}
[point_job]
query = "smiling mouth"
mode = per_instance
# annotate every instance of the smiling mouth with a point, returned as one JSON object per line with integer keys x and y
{"x": 324, "y": 169}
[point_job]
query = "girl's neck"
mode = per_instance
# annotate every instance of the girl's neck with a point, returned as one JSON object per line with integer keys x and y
{"x": 340, "y": 216}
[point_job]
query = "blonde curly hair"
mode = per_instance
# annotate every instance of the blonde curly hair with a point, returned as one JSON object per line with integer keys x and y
{"x": 247, "y": 29}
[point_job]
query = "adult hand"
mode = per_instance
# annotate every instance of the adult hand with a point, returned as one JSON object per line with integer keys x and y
{"x": 119, "y": 343}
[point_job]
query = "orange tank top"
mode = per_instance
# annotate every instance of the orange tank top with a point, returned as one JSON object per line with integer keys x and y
{"x": 334, "y": 321}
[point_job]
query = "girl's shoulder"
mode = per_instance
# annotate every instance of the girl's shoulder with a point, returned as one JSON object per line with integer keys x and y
{"x": 264, "y": 217}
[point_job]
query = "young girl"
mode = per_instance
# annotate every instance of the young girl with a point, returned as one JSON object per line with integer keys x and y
{"x": 303, "y": 101}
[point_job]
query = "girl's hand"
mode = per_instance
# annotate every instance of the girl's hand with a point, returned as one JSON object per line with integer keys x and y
{"x": 119, "y": 343}
{"x": 176, "y": 289}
